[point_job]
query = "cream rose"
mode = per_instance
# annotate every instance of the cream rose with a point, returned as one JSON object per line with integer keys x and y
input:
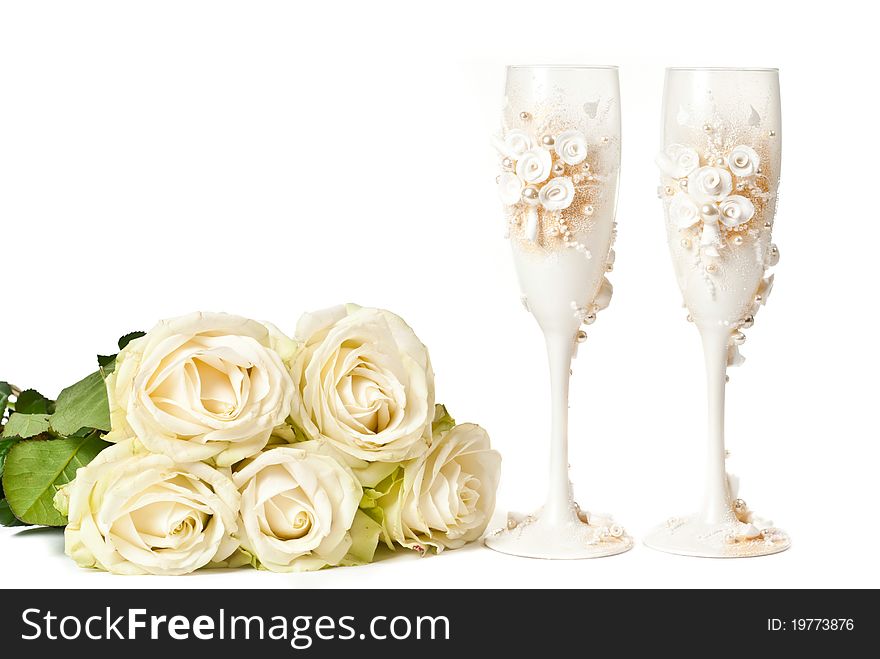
{"x": 364, "y": 382}
{"x": 557, "y": 193}
{"x": 206, "y": 386}
{"x": 297, "y": 507}
{"x": 446, "y": 497}
{"x": 736, "y": 210}
{"x": 509, "y": 188}
{"x": 533, "y": 166}
{"x": 144, "y": 513}
{"x": 677, "y": 160}
{"x": 743, "y": 160}
{"x": 683, "y": 212}
{"x": 514, "y": 143}
{"x": 571, "y": 147}
{"x": 709, "y": 184}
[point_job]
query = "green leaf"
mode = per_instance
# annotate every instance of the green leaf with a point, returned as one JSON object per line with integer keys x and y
{"x": 26, "y": 425}
{"x": 106, "y": 362}
{"x": 82, "y": 405}
{"x": 5, "y": 445}
{"x": 6, "y": 516}
{"x": 32, "y": 401}
{"x": 128, "y": 338}
{"x": 5, "y": 393}
{"x": 36, "y": 468}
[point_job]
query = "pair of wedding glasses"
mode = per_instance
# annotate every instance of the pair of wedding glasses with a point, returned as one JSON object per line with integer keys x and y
{"x": 559, "y": 153}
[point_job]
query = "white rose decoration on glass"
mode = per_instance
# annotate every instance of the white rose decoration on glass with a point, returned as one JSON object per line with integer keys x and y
{"x": 677, "y": 160}
{"x": 364, "y": 383}
{"x": 683, "y": 211}
{"x": 445, "y": 498}
{"x": 709, "y": 184}
{"x": 207, "y": 386}
{"x": 510, "y": 187}
{"x": 144, "y": 513}
{"x": 533, "y": 166}
{"x": 297, "y": 508}
{"x": 743, "y": 161}
{"x": 571, "y": 147}
{"x": 702, "y": 197}
{"x": 541, "y": 177}
{"x": 514, "y": 144}
{"x": 558, "y": 194}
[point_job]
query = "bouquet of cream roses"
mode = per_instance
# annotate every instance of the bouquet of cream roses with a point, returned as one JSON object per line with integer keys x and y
{"x": 217, "y": 441}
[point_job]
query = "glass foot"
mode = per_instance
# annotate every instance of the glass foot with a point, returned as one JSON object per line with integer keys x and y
{"x": 581, "y": 535}
{"x": 690, "y": 536}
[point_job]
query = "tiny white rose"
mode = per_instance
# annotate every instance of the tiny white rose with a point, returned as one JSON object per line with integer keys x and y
{"x": 677, "y": 160}
{"x": 683, "y": 212}
{"x": 514, "y": 143}
{"x": 571, "y": 146}
{"x": 743, "y": 160}
{"x": 709, "y": 184}
{"x": 736, "y": 210}
{"x": 533, "y": 166}
{"x": 509, "y": 188}
{"x": 557, "y": 194}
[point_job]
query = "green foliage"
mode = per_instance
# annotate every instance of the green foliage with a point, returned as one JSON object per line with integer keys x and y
{"x": 44, "y": 442}
{"x": 5, "y": 393}
{"x": 128, "y": 338}
{"x": 82, "y": 405}
{"x": 6, "y": 516}
{"x": 24, "y": 426}
{"x": 32, "y": 401}
{"x": 36, "y": 468}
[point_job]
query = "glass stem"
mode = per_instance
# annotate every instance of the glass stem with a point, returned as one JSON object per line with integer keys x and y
{"x": 717, "y": 505}
{"x": 559, "y": 353}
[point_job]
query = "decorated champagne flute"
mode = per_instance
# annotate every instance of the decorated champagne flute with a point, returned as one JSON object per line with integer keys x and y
{"x": 719, "y": 177}
{"x": 559, "y": 156}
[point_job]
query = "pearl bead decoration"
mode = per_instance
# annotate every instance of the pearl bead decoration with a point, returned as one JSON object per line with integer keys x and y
{"x": 530, "y": 195}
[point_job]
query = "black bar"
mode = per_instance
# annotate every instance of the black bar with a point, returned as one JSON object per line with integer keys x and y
{"x": 678, "y": 623}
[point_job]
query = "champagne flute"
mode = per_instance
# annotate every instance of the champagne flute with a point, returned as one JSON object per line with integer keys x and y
{"x": 559, "y": 154}
{"x": 719, "y": 178}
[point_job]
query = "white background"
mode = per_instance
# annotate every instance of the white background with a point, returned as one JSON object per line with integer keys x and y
{"x": 271, "y": 158}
